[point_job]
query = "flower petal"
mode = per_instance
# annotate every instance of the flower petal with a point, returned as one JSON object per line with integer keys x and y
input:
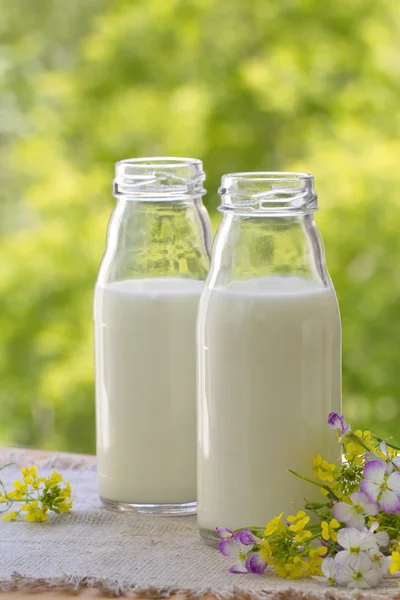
{"x": 342, "y": 557}
{"x": 224, "y": 533}
{"x": 382, "y": 538}
{"x": 337, "y": 421}
{"x": 328, "y": 567}
{"x": 359, "y": 562}
{"x": 361, "y": 499}
{"x": 255, "y": 563}
{"x": 374, "y": 470}
{"x": 238, "y": 568}
{"x": 229, "y": 547}
{"x": 349, "y": 538}
{"x": 372, "y": 577}
{"x": 394, "y": 482}
{"x": 390, "y": 502}
{"x": 343, "y": 573}
{"x": 245, "y": 537}
{"x": 371, "y": 489}
{"x": 342, "y": 512}
{"x": 357, "y": 520}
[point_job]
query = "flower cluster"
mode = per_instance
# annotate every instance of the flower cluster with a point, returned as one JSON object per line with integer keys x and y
{"x": 34, "y": 497}
{"x": 354, "y": 537}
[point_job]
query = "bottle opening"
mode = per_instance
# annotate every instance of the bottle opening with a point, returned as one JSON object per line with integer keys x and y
{"x": 276, "y": 193}
{"x": 159, "y": 178}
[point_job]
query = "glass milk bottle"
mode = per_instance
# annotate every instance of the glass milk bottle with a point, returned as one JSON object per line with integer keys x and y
{"x": 145, "y": 307}
{"x": 269, "y": 353}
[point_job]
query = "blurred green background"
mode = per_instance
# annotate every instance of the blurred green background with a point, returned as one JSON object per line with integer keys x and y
{"x": 243, "y": 85}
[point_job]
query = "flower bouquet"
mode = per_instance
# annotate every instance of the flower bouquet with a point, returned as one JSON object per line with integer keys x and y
{"x": 354, "y": 538}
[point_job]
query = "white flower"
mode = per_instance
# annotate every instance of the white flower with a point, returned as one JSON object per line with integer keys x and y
{"x": 328, "y": 568}
{"x": 378, "y": 486}
{"x": 354, "y": 514}
{"x": 380, "y": 537}
{"x": 358, "y": 573}
{"x": 355, "y": 543}
{"x": 380, "y": 562}
{"x": 391, "y": 463}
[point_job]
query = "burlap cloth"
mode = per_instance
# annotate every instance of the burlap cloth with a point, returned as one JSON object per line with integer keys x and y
{"x": 124, "y": 553}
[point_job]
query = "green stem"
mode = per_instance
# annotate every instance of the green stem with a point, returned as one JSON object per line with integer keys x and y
{"x": 315, "y": 536}
{"x": 387, "y": 443}
{"x": 325, "y": 487}
{"x": 359, "y": 440}
{"x": 7, "y": 465}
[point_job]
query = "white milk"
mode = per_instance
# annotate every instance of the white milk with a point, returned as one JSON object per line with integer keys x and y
{"x": 146, "y": 390}
{"x": 269, "y": 374}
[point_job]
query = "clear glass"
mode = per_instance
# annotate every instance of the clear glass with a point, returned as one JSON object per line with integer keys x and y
{"x": 269, "y": 353}
{"x": 145, "y": 307}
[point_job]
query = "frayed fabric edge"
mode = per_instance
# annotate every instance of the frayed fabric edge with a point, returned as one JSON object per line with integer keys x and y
{"x": 73, "y": 584}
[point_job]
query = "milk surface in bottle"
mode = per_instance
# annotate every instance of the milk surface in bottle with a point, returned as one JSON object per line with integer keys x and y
{"x": 269, "y": 354}
{"x": 145, "y": 308}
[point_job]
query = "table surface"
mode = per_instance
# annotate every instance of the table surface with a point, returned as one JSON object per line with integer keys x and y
{"x": 38, "y": 456}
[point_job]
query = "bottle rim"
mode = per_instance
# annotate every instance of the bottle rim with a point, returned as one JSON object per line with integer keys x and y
{"x": 159, "y": 178}
{"x": 272, "y": 193}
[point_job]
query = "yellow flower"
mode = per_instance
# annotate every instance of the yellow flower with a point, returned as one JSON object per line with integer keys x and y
{"x": 292, "y": 570}
{"x": 21, "y": 487}
{"x": 65, "y": 506}
{"x": 298, "y": 524}
{"x": 355, "y": 451}
{"x": 36, "y": 515}
{"x": 10, "y": 516}
{"x": 323, "y": 470}
{"x": 29, "y": 471}
{"x": 395, "y": 564}
{"x": 295, "y": 518}
{"x": 314, "y": 566}
{"x": 328, "y": 530}
{"x": 302, "y": 535}
{"x": 55, "y": 478}
{"x": 274, "y": 525}
{"x": 317, "y": 552}
{"x": 15, "y": 495}
{"x": 288, "y": 571}
{"x": 52, "y": 493}
{"x": 265, "y": 551}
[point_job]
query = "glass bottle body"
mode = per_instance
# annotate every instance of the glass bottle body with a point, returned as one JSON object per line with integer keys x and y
{"x": 269, "y": 356}
{"x": 145, "y": 308}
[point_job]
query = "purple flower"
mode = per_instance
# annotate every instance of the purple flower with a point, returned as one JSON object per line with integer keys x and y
{"x": 353, "y": 515}
{"x": 255, "y": 563}
{"x": 246, "y": 538}
{"x": 239, "y": 546}
{"x": 336, "y": 421}
{"x": 379, "y": 487}
{"x": 224, "y": 533}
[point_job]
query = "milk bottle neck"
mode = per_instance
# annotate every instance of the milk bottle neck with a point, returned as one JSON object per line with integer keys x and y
{"x": 160, "y": 227}
{"x": 268, "y": 229}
